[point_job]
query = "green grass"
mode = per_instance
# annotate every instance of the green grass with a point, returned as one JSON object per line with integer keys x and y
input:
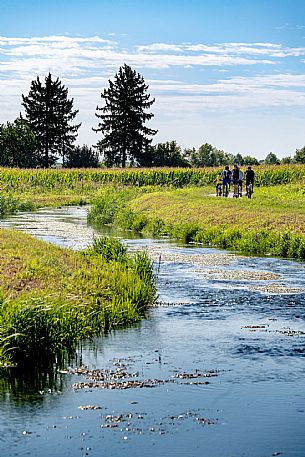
{"x": 52, "y": 298}
{"x": 272, "y": 222}
{"x": 275, "y": 208}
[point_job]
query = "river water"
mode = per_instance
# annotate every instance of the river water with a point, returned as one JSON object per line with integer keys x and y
{"x": 222, "y": 359}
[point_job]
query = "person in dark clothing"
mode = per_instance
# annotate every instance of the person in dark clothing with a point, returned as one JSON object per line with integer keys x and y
{"x": 249, "y": 176}
{"x": 236, "y": 180}
{"x": 249, "y": 181}
{"x": 226, "y": 180}
{"x": 235, "y": 174}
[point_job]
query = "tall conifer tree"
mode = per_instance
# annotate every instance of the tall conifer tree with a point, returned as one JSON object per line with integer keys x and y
{"x": 49, "y": 113}
{"x": 122, "y": 118}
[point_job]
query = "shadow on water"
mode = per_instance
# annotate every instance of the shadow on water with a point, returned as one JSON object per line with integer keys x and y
{"x": 23, "y": 385}
{"x": 29, "y": 381}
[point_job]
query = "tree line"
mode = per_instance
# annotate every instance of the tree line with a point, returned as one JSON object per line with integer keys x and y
{"x": 46, "y": 133}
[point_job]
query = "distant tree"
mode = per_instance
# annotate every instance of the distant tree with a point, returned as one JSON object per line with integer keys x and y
{"x": 18, "y": 145}
{"x": 166, "y": 154}
{"x": 208, "y": 156}
{"x": 272, "y": 159}
{"x": 299, "y": 156}
{"x": 49, "y": 113}
{"x": 238, "y": 159}
{"x": 223, "y": 158}
{"x": 123, "y": 117}
{"x": 204, "y": 157}
{"x": 82, "y": 157}
{"x": 249, "y": 160}
{"x": 287, "y": 160}
{"x": 188, "y": 152}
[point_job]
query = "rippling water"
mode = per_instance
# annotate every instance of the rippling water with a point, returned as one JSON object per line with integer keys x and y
{"x": 249, "y": 333}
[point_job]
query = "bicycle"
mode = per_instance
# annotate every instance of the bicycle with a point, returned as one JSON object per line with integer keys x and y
{"x": 218, "y": 190}
{"x": 249, "y": 190}
{"x": 225, "y": 189}
{"x": 236, "y": 191}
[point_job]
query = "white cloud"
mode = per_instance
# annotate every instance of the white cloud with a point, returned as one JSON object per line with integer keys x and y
{"x": 159, "y": 47}
{"x": 272, "y": 50}
{"x": 76, "y": 55}
{"x": 6, "y": 41}
{"x": 84, "y": 65}
{"x": 290, "y": 27}
{"x": 236, "y": 92}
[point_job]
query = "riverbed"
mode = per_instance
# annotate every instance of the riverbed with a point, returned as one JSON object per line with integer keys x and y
{"x": 216, "y": 369}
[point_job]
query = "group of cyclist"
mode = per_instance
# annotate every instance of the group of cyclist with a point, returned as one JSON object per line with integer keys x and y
{"x": 235, "y": 177}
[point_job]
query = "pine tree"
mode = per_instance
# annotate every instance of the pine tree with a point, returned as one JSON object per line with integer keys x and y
{"x": 122, "y": 118}
{"x": 49, "y": 113}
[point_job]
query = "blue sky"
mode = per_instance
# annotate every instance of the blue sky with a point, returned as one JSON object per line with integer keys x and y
{"x": 230, "y": 72}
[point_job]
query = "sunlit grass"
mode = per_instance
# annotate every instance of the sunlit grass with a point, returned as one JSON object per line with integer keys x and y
{"x": 272, "y": 222}
{"x": 279, "y": 207}
{"x": 52, "y": 298}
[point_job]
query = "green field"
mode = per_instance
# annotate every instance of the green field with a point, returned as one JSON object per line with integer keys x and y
{"x": 271, "y": 208}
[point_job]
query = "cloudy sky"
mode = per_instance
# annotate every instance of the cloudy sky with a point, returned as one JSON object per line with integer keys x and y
{"x": 227, "y": 72}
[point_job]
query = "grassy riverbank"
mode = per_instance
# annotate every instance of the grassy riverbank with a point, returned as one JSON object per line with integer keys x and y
{"x": 52, "y": 298}
{"x": 272, "y": 222}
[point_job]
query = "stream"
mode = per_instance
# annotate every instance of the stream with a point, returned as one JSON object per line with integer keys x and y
{"x": 217, "y": 368}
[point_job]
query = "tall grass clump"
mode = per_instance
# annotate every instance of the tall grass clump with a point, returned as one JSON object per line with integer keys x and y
{"x": 109, "y": 205}
{"x": 141, "y": 266}
{"x": 53, "y": 298}
{"x": 105, "y": 207}
{"x": 108, "y": 248}
{"x": 8, "y": 205}
{"x": 11, "y": 205}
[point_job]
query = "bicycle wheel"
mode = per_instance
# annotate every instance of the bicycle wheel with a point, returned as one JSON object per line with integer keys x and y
{"x": 236, "y": 191}
{"x": 249, "y": 190}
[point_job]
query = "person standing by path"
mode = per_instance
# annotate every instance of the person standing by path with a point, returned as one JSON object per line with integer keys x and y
{"x": 240, "y": 182}
{"x": 235, "y": 179}
{"x": 226, "y": 180}
{"x": 250, "y": 175}
{"x": 218, "y": 185}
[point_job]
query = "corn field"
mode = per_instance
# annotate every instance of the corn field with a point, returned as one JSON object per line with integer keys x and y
{"x": 87, "y": 179}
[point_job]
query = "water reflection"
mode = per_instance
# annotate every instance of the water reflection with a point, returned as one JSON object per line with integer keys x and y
{"x": 28, "y": 385}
